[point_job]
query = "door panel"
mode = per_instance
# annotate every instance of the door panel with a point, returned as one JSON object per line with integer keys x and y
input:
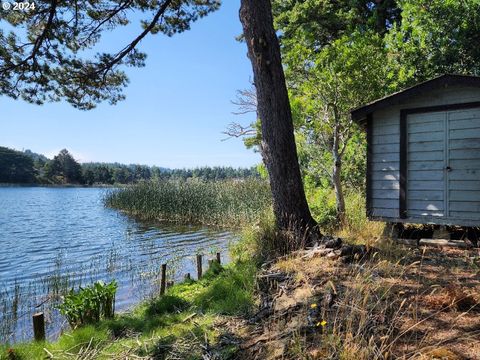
{"x": 443, "y": 165}
{"x": 426, "y": 164}
{"x": 463, "y": 147}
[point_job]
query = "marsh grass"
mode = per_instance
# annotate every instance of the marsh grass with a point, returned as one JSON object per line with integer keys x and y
{"x": 177, "y": 325}
{"x": 222, "y": 203}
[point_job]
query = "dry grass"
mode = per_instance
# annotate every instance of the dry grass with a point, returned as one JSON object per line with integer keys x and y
{"x": 402, "y": 304}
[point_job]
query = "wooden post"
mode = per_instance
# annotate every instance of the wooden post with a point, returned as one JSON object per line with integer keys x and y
{"x": 210, "y": 263}
{"x": 163, "y": 280}
{"x": 187, "y": 276}
{"x": 218, "y": 258}
{"x": 39, "y": 326}
{"x": 199, "y": 266}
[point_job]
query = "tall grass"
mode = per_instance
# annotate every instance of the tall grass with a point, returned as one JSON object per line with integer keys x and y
{"x": 356, "y": 228}
{"x": 221, "y": 203}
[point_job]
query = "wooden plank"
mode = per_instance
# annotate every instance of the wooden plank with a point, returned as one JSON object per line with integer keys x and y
{"x": 465, "y": 134}
{"x": 385, "y": 139}
{"x": 465, "y": 215}
{"x": 386, "y": 166}
{"x": 464, "y": 195}
{"x": 425, "y": 205}
{"x": 386, "y": 213}
{"x": 473, "y": 113}
{"x": 387, "y": 129}
{"x": 385, "y": 185}
{"x": 426, "y": 117}
{"x": 464, "y": 154}
{"x": 426, "y": 165}
{"x": 465, "y": 164}
{"x": 426, "y": 185}
{"x": 386, "y": 117}
{"x": 425, "y": 195}
{"x": 425, "y": 213}
{"x": 464, "y": 175}
{"x": 385, "y": 148}
{"x": 385, "y": 194}
{"x": 385, "y": 157}
{"x": 425, "y": 128}
{"x": 385, "y": 175}
{"x": 426, "y": 155}
{"x": 464, "y": 185}
{"x": 463, "y": 123}
{"x": 426, "y": 146}
{"x": 464, "y": 144}
{"x": 473, "y": 206}
{"x": 385, "y": 203}
{"x": 422, "y": 137}
{"x": 444, "y": 242}
{"x": 425, "y": 175}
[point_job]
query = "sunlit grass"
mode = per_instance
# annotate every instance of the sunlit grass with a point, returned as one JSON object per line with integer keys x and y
{"x": 177, "y": 323}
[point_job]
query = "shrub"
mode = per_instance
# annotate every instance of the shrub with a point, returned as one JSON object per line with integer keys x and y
{"x": 90, "y": 304}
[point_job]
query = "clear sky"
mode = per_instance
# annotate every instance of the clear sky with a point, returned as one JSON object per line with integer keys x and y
{"x": 176, "y": 107}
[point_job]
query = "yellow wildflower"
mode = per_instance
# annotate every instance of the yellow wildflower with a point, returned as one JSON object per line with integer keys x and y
{"x": 313, "y": 306}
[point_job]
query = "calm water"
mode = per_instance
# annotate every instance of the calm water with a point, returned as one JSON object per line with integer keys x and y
{"x": 53, "y": 239}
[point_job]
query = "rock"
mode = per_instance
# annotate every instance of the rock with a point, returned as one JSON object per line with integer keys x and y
{"x": 332, "y": 255}
{"x": 333, "y": 243}
{"x": 309, "y": 254}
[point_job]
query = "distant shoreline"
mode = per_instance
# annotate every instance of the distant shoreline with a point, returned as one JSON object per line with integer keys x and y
{"x": 3, "y": 185}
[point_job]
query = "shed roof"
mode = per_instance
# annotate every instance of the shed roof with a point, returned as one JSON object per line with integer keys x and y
{"x": 360, "y": 113}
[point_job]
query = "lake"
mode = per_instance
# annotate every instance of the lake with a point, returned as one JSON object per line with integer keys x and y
{"x": 54, "y": 239}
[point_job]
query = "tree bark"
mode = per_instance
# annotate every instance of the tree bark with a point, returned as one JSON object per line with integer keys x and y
{"x": 279, "y": 151}
{"x": 336, "y": 174}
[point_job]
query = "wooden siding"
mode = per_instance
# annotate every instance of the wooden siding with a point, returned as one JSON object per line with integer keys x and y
{"x": 464, "y": 160}
{"x": 385, "y": 165}
{"x": 425, "y": 200}
{"x": 426, "y": 142}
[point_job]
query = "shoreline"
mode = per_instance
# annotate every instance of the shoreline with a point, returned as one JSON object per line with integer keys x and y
{"x": 7, "y": 185}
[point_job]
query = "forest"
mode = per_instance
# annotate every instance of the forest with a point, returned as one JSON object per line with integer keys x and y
{"x": 27, "y": 167}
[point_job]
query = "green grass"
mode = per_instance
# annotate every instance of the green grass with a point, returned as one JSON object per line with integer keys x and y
{"x": 230, "y": 203}
{"x": 161, "y": 326}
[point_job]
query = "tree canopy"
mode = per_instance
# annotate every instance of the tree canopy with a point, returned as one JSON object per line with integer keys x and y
{"x": 15, "y": 167}
{"x": 48, "y": 56}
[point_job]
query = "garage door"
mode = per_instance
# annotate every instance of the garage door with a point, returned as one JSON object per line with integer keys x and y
{"x": 443, "y": 165}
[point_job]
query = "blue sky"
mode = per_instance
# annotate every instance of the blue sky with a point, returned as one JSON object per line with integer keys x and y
{"x": 176, "y": 107}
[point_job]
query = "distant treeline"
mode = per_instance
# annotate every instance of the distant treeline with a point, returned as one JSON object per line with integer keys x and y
{"x": 29, "y": 167}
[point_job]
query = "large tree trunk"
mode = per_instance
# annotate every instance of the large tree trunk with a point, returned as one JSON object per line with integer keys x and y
{"x": 278, "y": 143}
{"x": 336, "y": 176}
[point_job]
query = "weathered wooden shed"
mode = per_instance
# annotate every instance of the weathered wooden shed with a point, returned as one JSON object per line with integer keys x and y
{"x": 423, "y": 153}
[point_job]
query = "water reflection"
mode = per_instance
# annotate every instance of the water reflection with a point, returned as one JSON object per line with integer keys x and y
{"x": 54, "y": 239}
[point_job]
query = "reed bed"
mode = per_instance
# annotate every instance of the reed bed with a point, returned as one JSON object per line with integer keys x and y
{"x": 229, "y": 203}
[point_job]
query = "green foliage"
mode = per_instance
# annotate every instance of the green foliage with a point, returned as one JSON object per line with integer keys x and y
{"x": 231, "y": 292}
{"x": 314, "y": 24}
{"x": 90, "y": 304}
{"x": 342, "y": 54}
{"x": 64, "y": 169}
{"x": 30, "y": 167}
{"x": 15, "y": 167}
{"x": 323, "y": 207}
{"x": 195, "y": 201}
{"x": 166, "y": 304}
{"x": 434, "y": 38}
